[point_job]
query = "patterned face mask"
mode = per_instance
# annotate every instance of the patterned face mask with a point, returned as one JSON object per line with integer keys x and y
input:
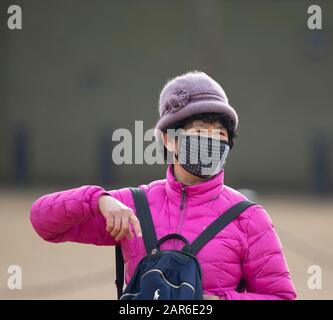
{"x": 201, "y": 156}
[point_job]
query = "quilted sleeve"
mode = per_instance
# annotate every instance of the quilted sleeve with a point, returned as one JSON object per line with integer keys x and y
{"x": 72, "y": 215}
{"x": 265, "y": 269}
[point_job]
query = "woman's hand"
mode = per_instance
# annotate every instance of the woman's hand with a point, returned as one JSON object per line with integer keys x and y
{"x": 119, "y": 218}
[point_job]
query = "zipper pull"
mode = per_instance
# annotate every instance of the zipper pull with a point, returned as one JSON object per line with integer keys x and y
{"x": 183, "y": 198}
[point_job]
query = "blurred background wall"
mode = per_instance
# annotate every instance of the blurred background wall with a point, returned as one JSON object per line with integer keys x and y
{"x": 80, "y": 69}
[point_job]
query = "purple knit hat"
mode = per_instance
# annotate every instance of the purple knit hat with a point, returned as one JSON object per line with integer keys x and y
{"x": 191, "y": 93}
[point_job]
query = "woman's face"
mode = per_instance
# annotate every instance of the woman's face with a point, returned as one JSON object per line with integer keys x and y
{"x": 198, "y": 127}
{"x": 213, "y": 130}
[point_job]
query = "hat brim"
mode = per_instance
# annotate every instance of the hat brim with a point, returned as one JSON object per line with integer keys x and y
{"x": 196, "y": 108}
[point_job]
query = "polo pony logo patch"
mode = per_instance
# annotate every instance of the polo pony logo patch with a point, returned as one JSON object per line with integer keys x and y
{"x": 156, "y": 294}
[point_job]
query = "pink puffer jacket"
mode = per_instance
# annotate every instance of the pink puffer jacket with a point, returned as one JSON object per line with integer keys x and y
{"x": 249, "y": 247}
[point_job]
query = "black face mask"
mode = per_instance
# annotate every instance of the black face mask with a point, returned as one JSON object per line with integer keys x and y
{"x": 202, "y": 156}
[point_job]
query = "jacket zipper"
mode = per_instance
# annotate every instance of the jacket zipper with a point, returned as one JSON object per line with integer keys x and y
{"x": 182, "y": 208}
{"x": 182, "y": 204}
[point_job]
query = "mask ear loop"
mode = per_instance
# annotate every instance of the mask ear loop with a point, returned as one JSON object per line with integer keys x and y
{"x": 223, "y": 165}
{"x": 225, "y": 153}
{"x": 176, "y": 154}
{"x": 172, "y": 152}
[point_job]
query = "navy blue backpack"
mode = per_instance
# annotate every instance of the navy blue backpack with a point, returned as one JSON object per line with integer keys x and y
{"x": 168, "y": 274}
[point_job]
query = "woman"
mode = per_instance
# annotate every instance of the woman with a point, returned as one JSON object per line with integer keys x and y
{"x": 189, "y": 199}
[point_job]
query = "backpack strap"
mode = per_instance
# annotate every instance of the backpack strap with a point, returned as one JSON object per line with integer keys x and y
{"x": 218, "y": 225}
{"x": 145, "y": 218}
{"x": 148, "y": 232}
{"x": 119, "y": 271}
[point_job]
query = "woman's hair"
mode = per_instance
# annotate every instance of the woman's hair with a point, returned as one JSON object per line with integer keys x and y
{"x": 209, "y": 117}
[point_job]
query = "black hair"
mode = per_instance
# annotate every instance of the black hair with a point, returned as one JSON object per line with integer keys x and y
{"x": 209, "y": 117}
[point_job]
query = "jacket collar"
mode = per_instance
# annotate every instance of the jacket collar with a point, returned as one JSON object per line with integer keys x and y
{"x": 194, "y": 194}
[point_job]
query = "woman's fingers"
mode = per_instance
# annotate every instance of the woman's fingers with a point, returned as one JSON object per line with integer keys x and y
{"x": 119, "y": 218}
{"x": 129, "y": 233}
{"x": 136, "y": 225}
{"x": 125, "y": 229}
{"x": 109, "y": 224}
{"x": 119, "y": 224}
{"x": 116, "y": 226}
